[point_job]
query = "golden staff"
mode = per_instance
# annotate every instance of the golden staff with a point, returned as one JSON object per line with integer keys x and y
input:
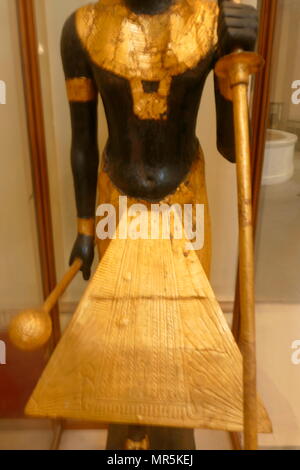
{"x": 31, "y": 329}
{"x": 233, "y": 72}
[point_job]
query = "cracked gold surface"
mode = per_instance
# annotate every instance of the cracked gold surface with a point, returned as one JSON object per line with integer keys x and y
{"x": 148, "y": 47}
{"x": 81, "y": 90}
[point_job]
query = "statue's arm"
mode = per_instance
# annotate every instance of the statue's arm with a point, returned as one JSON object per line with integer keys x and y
{"x": 237, "y": 28}
{"x": 83, "y": 98}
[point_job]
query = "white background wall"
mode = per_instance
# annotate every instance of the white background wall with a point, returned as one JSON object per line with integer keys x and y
{"x": 286, "y": 57}
{"x": 20, "y": 284}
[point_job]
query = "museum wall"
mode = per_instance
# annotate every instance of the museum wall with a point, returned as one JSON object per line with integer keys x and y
{"x": 287, "y": 35}
{"x": 20, "y": 280}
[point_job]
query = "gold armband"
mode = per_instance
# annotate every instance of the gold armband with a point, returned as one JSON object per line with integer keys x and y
{"x": 81, "y": 90}
{"x": 86, "y": 226}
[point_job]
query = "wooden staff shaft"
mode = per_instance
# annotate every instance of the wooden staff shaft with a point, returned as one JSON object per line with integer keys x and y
{"x": 234, "y": 71}
{"x": 246, "y": 262}
{"x": 60, "y": 288}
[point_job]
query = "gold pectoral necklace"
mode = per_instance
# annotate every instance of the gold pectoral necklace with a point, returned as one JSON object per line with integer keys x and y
{"x": 150, "y": 48}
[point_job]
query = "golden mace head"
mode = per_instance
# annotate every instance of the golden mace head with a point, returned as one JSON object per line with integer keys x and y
{"x": 30, "y": 329}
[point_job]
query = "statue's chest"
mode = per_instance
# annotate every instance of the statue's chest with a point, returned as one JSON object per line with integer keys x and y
{"x": 143, "y": 48}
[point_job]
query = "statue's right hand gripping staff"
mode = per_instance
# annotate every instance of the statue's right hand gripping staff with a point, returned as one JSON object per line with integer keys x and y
{"x": 237, "y": 27}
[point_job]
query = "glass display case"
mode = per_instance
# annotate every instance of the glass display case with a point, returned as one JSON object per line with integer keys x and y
{"x": 39, "y": 216}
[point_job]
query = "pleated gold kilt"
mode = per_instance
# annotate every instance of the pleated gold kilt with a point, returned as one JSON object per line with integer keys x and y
{"x": 191, "y": 191}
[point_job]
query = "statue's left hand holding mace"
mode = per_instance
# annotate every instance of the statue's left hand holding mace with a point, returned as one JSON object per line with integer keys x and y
{"x": 32, "y": 329}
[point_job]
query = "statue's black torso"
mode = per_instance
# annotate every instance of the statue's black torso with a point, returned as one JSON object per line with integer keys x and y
{"x": 147, "y": 155}
{"x": 149, "y": 158}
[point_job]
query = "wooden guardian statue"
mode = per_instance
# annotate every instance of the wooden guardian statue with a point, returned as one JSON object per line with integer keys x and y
{"x": 148, "y": 345}
{"x": 149, "y": 60}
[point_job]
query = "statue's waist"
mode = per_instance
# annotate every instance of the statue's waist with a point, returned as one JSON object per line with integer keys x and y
{"x": 149, "y": 181}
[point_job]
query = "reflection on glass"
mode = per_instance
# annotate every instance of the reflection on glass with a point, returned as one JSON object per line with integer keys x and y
{"x": 278, "y": 253}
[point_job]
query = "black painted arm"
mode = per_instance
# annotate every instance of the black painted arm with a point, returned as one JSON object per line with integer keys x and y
{"x": 237, "y": 28}
{"x": 82, "y": 95}
{"x": 84, "y": 156}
